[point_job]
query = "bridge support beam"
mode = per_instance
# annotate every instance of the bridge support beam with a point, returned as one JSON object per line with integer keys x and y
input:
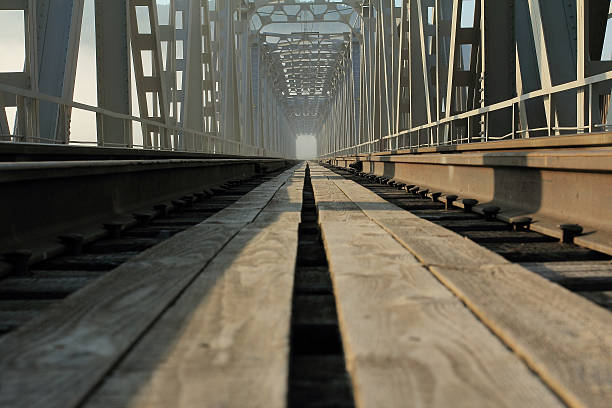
{"x": 113, "y": 72}
{"x": 58, "y": 36}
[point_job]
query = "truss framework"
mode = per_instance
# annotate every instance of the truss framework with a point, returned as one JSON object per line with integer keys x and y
{"x": 440, "y": 72}
{"x": 248, "y": 76}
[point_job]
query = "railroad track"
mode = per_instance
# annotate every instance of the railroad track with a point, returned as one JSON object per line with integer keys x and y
{"x": 581, "y": 270}
{"x": 313, "y": 289}
{"x": 30, "y": 289}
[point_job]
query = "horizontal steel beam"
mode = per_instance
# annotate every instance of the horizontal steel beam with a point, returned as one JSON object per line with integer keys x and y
{"x": 39, "y": 152}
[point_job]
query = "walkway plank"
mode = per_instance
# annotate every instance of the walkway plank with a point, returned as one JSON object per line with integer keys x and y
{"x": 55, "y": 360}
{"x": 225, "y": 343}
{"x": 332, "y": 204}
{"x": 562, "y": 337}
{"x": 408, "y": 340}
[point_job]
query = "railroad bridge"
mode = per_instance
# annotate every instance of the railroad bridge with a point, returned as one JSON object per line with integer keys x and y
{"x": 165, "y": 241}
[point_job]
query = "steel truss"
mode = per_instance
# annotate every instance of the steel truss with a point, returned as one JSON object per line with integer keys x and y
{"x": 248, "y": 76}
{"x": 195, "y": 69}
{"x": 432, "y": 73}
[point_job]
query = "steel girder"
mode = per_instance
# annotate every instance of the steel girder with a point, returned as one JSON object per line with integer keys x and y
{"x": 247, "y": 76}
{"x": 52, "y": 34}
{"x": 477, "y": 71}
{"x": 308, "y": 68}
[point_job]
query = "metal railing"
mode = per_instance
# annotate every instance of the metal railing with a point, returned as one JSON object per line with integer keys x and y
{"x": 445, "y": 132}
{"x": 188, "y": 140}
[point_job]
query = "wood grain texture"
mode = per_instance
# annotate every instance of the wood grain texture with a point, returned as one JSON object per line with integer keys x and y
{"x": 56, "y": 359}
{"x": 564, "y": 338}
{"x": 225, "y": 343}
{"x": 332, "y": 203}
{"x": 409, "y": 342}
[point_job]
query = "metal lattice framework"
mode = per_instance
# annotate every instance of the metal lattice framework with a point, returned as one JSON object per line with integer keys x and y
{"x": 248, "y": 76}
{"x": 443, "y": 72}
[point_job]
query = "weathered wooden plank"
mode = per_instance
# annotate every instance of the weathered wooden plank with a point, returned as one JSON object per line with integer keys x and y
{"x": 564, "y": 338}
{"x": 332, "y": 203}
{"x": 17, "y": 287}
{"x": 56, "y": 359}
{"x": 226, "y": 340}
{"x": 408, "y": 340}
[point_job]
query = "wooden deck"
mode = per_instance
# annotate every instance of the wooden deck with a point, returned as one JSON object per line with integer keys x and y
{"x": 427, "y": 317}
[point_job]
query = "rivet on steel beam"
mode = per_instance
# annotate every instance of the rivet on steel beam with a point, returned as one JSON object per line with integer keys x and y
{"x": 391, "y": 182}
{"x": 520, "y": 223}
{"x": 435, "y": 196}
{"x": 413, "y": 189}
{"x": 114, "y": 228}
{"x": 142, "y": 218}
{"x": 450, "y": 199}
{"x": 188, "y": 200}
{"x": 400, "y": 186}
{"x": 468, "y": 203}
{"x": 490, "y": 212}
{"x": 73, "y": 242}
{"x": 569, "y": 232}
{"x": 162, "y": 209}
{"x": 423, "y": 193}
{"x": 178, "y": 204}
{"x": 20, "y": 259}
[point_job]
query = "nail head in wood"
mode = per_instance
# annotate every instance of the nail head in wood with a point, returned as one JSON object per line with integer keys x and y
{"x": 569, "y": 232}
{"x": 490, "y": 212}
{"x": 450, "y": 199}
{"x": 423, "y": 193}
{"x": 162, "y": 209}
{"x": 20, "y": 259}
{"x": 468, "y": 203}
{"x": 520, "y": 222}
{"x": 73, "y": 242}
{"x": 114, "y": 228}
{"x": 142, "y": 218}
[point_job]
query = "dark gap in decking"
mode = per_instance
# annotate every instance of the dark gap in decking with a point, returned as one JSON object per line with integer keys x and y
{"x": 317, "y": 371}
